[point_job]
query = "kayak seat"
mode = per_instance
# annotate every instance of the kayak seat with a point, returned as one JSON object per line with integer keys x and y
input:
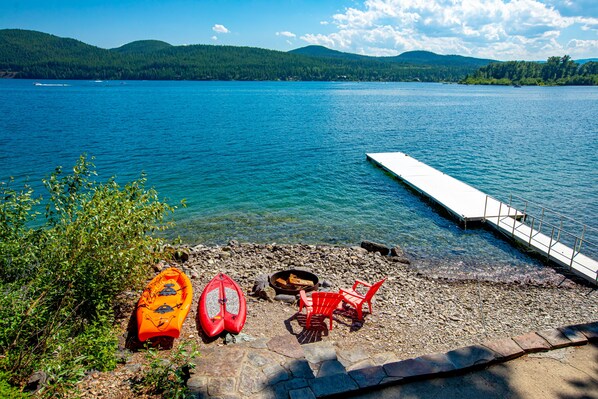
{"x": 164, "y": 309}
{"x": 167, "y": 290}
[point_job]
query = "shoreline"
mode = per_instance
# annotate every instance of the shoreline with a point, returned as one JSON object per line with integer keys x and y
{"x": 429, "y": 312}
{"x": 413, "y": 314}
{"x": 449, "y": 269}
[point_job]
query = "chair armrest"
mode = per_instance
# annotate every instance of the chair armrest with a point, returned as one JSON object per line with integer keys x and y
{"x": 357, "y": 282}
{"x": 351, "y": 293}
{"x": 303, "y": 299}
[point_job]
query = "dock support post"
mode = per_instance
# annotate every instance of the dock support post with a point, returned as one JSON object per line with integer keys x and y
{"x": 541, "y": 221}
{"x": 550, "y": 245}
{"x": 558, "y": 236}
{"x": 514, "y": 221}
{"x": 573, "y": 254}
{"x": 485, "y": 206}
{"x": 583, "y": 232}
{"x": 529, "y": 243}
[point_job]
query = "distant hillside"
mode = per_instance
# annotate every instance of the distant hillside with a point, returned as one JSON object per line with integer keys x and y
{"x": 586, "y": 60}
{"x": 429, "y": 58}
{"x": 409, "y": 57}
{"x": 23, "y": 46}
{"x": 36, "y": 55}
{"x": 142, "y": 46}
{"x": 325, "y": 52}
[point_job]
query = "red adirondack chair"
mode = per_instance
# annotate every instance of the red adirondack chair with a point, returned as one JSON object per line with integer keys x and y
{"x": 320, "y": 303}
{"x": 355, "y": 299}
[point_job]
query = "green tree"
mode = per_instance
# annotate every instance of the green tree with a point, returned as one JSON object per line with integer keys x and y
{"x": 60, "y": 280}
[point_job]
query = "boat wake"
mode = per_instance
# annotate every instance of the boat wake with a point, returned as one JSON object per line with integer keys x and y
{"x": 51, "y": 84}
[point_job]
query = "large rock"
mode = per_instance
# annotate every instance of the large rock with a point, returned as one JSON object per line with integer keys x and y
{"x": 371, "y": 246}
{"x": 397, "y": 251}
{"x": 181, "y": 254}
{"x": 36, "y": 382}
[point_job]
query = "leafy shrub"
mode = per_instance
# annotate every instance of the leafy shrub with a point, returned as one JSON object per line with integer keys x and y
{"x": 7, "y": 391}
{"x": 59, "y": 281}
{"x": 168, "y": 376}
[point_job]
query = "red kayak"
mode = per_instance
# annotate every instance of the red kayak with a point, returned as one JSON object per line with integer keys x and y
{"x": 222, "y": 306}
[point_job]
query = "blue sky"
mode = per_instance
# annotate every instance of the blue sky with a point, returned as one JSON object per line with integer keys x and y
{"x": 498, "y": 29}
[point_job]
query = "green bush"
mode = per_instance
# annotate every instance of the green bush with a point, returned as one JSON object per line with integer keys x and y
{"x": 168, "y": 377}
{"x": 8, "y": 391}
{"x": 59, "y": 280}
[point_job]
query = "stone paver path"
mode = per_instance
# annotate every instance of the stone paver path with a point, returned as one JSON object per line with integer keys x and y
{"x": 281, "y": 368}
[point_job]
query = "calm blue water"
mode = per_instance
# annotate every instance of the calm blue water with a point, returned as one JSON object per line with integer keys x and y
{"x": 285, "y": 161}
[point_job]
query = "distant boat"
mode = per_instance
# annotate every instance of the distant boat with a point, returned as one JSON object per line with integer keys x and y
{"x": 516, "y": 85}
{"x": 51, "y": 84}
{"x": 98, "y": 81}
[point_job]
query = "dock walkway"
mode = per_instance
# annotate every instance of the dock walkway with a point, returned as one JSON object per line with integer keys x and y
{"x": 469, "y": 204}
{"x": 463, "y": 201}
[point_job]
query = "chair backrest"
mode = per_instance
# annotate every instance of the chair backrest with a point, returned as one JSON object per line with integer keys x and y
{"x": 373, "y": 289}
{"x": 325, "y": 302}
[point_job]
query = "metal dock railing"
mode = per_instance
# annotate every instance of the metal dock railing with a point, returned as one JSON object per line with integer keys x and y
{"x": 469, "y": 204}
{"x": 562, "y": 246}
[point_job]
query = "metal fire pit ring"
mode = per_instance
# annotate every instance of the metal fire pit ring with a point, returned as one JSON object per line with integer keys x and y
{"x": 302, "y": 274}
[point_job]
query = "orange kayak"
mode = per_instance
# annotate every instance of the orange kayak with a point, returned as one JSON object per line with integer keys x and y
{"x": 164, "y": 304}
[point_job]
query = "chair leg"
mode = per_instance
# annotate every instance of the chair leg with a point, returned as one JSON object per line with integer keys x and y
{"x": 308, "y": 320}
{"x": 359, "y": 312}
{"x": 330, "y": 317}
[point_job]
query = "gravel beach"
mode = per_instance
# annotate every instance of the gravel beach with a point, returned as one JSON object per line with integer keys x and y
{"x": 414, "y": 314}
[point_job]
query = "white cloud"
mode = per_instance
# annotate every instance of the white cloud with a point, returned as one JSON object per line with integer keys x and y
{"x": 214, "y": 38}
{"x": 286, "y": 34}
{"x": 220, "y": 29}
{"x": 324, "y": 22}
{"x": 501, "y": 29}
{"x": 580, "y": 48}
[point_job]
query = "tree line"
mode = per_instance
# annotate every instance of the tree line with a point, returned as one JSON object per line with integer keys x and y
{"x": 555, "y": 71}
{"x": 36, "y": 55}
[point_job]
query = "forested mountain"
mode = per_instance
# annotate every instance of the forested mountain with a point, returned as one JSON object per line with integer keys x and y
{"x": 36, "y": 55}
{"x": 427, "y": 57}
{"x": 556, "y": 71}
{"x": 143, "y": 46}
{"x": 325, "y": 52}
{"x": 409, "y": 57}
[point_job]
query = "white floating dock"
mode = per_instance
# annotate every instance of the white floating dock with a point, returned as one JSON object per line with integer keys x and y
{"x": 460, "y": 199}
{"x": 469, "y": 204}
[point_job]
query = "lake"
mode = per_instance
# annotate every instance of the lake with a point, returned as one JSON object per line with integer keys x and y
{"x": 285, "y": 161}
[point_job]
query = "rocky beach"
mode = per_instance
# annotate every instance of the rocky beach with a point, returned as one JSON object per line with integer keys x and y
{"x": 414, "y": 313}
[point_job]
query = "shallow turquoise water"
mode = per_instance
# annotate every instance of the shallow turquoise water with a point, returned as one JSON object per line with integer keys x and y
{"x": 285, "y": 161}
